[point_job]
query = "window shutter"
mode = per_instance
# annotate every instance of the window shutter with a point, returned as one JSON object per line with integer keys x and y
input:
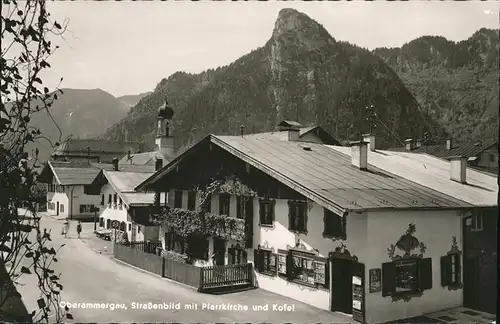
{"x": 445, "y": 270}
{"x": 261, "y": 213}
{"x": 388, "y": 279}
{"x": 425, "y": 273}
{"x": 289, "y": 266}
{"x": 458, "y": 268}
{"x": 244, "y": 257}
{"x": 256, "y": 259}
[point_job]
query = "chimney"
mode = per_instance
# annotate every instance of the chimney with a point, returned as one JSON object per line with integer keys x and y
{"x": 458, "y": 168}
{"x": 115, "y": 164}
{"x": 359, "y": 154}
{"x": 370, "y": 139}
{"x": 418, "y": 143}
{"x": 449, "y": 144}
{"x": 158, "y": 164}
{"x": 293, "y": 134}
{"x": 409, "y": 144}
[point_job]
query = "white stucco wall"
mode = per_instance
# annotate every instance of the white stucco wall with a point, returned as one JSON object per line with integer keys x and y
{"x": 71, "y": 207}
{"x": 108, "y": 212}
{"x": 62, "y": 198}
{"x": 279, "y": 237}
{"x": 435, "y": 229}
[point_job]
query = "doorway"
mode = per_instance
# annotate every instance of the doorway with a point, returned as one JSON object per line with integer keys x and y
{"x": 342, "y": 271}
{"x": 57, "y": 209}
{"x": 219, "y": 251}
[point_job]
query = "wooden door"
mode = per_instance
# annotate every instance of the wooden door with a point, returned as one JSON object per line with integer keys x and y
{"x": 341, "y": 292}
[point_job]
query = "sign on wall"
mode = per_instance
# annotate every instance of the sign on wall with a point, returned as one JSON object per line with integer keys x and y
{"x": 375, "y": 280}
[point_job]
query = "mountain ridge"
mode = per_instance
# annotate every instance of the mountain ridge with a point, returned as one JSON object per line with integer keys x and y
{"x": 301, "y": 71}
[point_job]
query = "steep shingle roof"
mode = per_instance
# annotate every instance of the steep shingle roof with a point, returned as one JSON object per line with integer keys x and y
{"x": 125, "y": 182}
{"x": 440, "y": 150}
{"x": 481, "y": 188}
{"x": 326, "y": 176}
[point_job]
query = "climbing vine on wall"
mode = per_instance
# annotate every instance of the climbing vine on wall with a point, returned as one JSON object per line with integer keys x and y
{"x": 230, "y": 185}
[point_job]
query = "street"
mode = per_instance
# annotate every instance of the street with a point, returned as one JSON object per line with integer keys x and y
{"x": 90, "y": 278}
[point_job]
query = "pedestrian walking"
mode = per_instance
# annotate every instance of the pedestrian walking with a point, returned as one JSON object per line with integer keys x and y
{"x": 66, "y": 229}
{"x": 79, "y": 228}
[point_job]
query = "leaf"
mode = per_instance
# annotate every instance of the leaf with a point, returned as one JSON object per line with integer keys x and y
{"x": 41, "y": 303}
{"x": 38, "y": 80}
{"x": 46, "y": 90}
{"x": 5, "y": 248}
{"x": 29, "y": 254}
{"x": 57, "y": 25}
{"x": 25, "y": 270}
{"x": 69, "y": 316}
{"x": 44, "y": 64}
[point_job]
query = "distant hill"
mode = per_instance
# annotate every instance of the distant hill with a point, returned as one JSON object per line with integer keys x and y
{"x": 80, "y": 113}
{"x": 456, "y": 83}
{"x": 302, "y": 73}
{"x": 132, "y": 100}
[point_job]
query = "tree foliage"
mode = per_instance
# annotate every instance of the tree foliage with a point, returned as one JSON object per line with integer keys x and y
{"x": 26, "y": 29}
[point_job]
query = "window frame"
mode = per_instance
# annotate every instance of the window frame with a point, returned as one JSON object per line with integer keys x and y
{"x": 178, "y": 198}
{"x": 271, "y": 218}
{"x": 263, "y": 261}
{"x": 340, "y": 231}
{"x": 241, "y": 206}
{"x": 191, "y": 200}
{"x": 451, "y": 270}
{"x": 291, "y": 216}
{"x": 226, "y": 198}
{"x": 423, "y": 277}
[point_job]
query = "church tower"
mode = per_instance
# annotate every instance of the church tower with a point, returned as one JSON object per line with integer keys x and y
{"x": 164, "y": 138}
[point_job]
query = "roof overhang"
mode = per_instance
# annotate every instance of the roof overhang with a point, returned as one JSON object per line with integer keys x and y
{"x": 308, "y": 193}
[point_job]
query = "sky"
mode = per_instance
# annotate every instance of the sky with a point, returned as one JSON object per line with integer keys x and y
{"x": 127, "y": 47}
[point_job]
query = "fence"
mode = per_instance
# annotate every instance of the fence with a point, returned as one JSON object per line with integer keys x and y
{"x": 147, "y": 247}
{"x": 201, "y": 278}
{"x": 227, "y": 275}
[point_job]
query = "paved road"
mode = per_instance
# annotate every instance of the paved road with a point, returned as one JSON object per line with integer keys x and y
{"x": 89, "y": 277}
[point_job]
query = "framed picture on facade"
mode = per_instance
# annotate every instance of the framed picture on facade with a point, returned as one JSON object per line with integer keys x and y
{"x": 281, "y": 264}
{"x": 319, "y": 272}
{"x": 375, "y": 280}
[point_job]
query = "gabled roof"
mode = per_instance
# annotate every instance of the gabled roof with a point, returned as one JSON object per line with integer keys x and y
{"x": 124, "y": 183}
{"x": 466, "y": 150}
{"x": 324, "y": 175}
{"x": 481, "y": 188}
{"x": 326, "y": 137}
{"x": 82, "y": 173}
{"x": 96, "y": 146}
{"x": 141, "y": 158}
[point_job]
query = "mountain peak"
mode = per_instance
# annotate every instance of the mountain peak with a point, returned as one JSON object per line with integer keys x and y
{"x": 297, "y": 27}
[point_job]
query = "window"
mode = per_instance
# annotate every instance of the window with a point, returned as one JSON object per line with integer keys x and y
{"x": 297, "y": 212}
{"x": 266, "y": 212}
{"x": 115, "y": 199}
{"x": 492, "y": 157}
{"x": 108, "y": 223}
{"x": 241, "y": 206}
{"x": 224, "y": 200}
{"x": 302, "y": 268}
{"x": 61, "y": 208}
{"x": 174, "y": 242}
{"x": 198, "y": 247}
{"x": 102, "y": 200}
{"x": 123, "y": 226}
{"x": 178, "y": 199}
{"x": 110, "y": 200}
{"x": 266, "y": 261}
{"x": 120, "y": 203}
{"x": 101, "y": 222}
{"x": 86, "y": 208}
{"x": 129, "y": 227}
{"x": 406, "y": 277}
{"x": 334, "y": 225}
{"x": 191, "y": 203}
{"x": 208, "y": 204}
{"x": 450, "y": 270}
{"x": 237, "y": 255}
